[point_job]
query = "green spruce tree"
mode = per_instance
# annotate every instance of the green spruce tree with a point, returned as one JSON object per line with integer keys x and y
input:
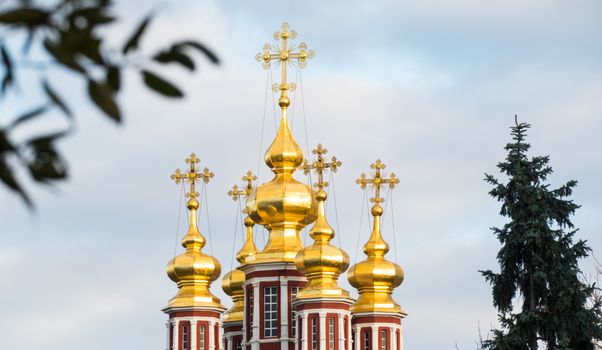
{"x": 539, "y": 292}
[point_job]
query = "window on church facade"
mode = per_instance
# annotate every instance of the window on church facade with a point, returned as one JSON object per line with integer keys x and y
{"x": 294, "y": 291}
{"x": 314, "y": 334}
{"x": 250, "y": 305}
{"x": 331, "y": 333}
{"x": 383, "y": 340}
{"x": 270, "y": 298}
{"x": 366, "y": 340}
{"x": 202, "y": 337}
{"x": 184, "y": 337}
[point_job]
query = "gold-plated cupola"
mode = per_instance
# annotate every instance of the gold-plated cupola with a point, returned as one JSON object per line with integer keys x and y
{"x": 193, "y": 271}
{"x": 321, "y": 262}
{"x": 232, "y": 283}
{"x": 283, "y": 205}
{"x": 375, "y": 278}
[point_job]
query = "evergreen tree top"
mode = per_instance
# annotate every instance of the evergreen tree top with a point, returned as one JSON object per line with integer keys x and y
{"x": 539, "y": 272}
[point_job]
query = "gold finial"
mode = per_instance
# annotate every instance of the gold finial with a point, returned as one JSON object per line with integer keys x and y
{"x": 321, "y": 262}
{"x": 283, "y": 56}
{"x": 192, "y": 176}
{"x": 235, "y": 193}
{"x": 319, "y": 165}
{"x": 378, "y": 181}
{"x": 193, "y": 271}
{"x": 248, "y": 249}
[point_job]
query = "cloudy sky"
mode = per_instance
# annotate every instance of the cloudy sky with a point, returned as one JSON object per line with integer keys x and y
{"x": 430, "y": 87}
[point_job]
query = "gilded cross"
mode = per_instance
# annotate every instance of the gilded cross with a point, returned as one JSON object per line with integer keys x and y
{"x": 319, "y": 165}
{"x": 236, "y": 193}
{"x": 192, "y": 175}
{"x": 284, "y": 55}
{"x": 377, "y": 181}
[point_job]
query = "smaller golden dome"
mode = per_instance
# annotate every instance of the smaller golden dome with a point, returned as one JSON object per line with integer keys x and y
{"x": 248, "y": 249}
{"x": 322, "y": 263}
{"x": 193, "y": 271}
{"x": 232, "y": 285}
{"x": 375, "y": 278}
{"x": 233, "y": 281}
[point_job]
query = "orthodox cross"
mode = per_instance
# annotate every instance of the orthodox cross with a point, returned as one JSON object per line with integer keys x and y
{"x": 192, "y": 176}
{"x": 284, "y": 55}
{"x": 236, "y": 193}
{"x": 377, "y": 181}
{"x": 320, "y": 165}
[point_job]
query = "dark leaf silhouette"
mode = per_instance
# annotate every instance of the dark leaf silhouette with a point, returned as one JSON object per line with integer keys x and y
{"x": 8, "y": 66}
{"x": 114, "y": 78}
{"x": 102, "y": 95}
{"x": 201, "y": 48}
{"x": 47, "y": 163}
{"x": 174, "y": 56}
{"x": 134, "y": 40}
{"x": 63, "y": 56}
{"x": 28, "y": 115}
{"x": 161, "y": 85}
{"x": 54, "y": 97}
{"x": 30, "y": 17}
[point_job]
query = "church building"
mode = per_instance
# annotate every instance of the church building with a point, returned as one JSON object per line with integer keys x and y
{"x": 285, "y": 295}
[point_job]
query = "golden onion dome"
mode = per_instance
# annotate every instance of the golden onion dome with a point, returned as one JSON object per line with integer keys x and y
{"x": 232, "y": 285}
{"x": 193, "y": 271}
{"x": 322, "y": 263}
{"x": 375, "y": 278}
{"x": 284, "y": 205}
{"x": 233, "y": 281}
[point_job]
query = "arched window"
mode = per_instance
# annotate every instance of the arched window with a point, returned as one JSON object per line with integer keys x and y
{"x": 367, "y": 340}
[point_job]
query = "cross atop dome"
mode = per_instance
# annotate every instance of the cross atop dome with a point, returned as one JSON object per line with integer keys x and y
{"x": 283, "y": 56}
{"x": 377, "y": 181}
{"x": 192, "y": 176}
{"x": 319, "y": 165}
{"x": 236, "y": 193}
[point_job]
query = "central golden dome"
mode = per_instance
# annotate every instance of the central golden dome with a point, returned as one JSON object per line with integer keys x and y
{"x": 284, "y": 205}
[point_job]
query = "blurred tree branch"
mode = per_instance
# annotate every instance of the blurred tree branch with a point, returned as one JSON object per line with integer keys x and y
{"x": 67, "y": 31}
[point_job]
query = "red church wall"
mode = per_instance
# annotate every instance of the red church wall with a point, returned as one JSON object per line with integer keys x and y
{"x": 376, "y": 319}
